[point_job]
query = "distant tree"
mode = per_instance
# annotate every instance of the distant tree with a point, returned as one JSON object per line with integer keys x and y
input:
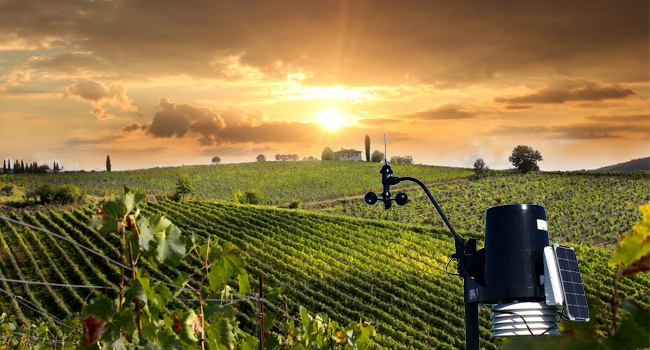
{"x": 367, "y": 148}
{"x": 261, "y": 158}
{"x": 401, "y": 160}
{"x": 108, "y": 163}
{"x": 22, "y": 166}
{"x": 480, "y": 168}
{"x": 216, "y": 160}
{"x": 377, "y": 156}
{"x": 184, "y": 186}
{"x": 525, "y": 158}
{"x": 17, "y": 167}
{"x": 9, "y": 165}
{"x": 43, "y": 168}
{"x": 4, "y": 166}
{"x": 278, "y": 157}
{"x": 327, "y": 154}
{"x": 293, "y": 157}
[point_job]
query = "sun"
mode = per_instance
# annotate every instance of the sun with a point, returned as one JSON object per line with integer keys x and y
{"x": 331, "y": 120}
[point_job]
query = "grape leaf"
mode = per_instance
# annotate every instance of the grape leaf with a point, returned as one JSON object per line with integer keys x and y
{"x": 635, "y": 246}
{"x": 170, "y": 249}
{"x": 225, "y": 265}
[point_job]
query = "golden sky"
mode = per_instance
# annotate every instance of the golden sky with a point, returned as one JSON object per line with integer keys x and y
{"x": 167, "y": 83}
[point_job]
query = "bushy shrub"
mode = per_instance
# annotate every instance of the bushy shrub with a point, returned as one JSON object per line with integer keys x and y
{"x": 46, "y": 192}
{"x": 253, "y": 197}
{"x": 7, "y": 190}
{"x": 237, "y": 197}
{"x": 64, "y": 194}
{"x": 248, "y": 197}
{"x": 294, "y": 205}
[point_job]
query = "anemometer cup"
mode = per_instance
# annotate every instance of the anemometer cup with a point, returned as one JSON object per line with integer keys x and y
{"x": 401, "y": 199}
{"x": 370, "y": 198}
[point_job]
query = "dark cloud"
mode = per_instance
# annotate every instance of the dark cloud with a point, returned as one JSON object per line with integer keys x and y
{"x": 517, "y": 107}
{"x": 344, "y": 42}
{"x": 448, "y": 111}
{"x": 568, "y": 91}
{"x": 176, "y": 119}
{"x": 134, "y": 127}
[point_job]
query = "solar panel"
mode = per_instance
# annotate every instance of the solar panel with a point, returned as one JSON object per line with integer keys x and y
{"x": 574, "y": 293}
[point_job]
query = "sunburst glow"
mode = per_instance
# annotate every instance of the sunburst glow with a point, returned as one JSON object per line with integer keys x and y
{"x": 331, "y": 120}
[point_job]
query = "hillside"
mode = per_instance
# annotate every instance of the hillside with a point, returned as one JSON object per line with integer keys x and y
{"x": 383, "y": 272}
{"x": 581, "y": 209}
{"x": 640, "y": 164}
{"x": 279, "y": 182}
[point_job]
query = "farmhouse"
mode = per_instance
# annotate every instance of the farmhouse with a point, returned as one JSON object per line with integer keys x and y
{"x": 347, "y": 154}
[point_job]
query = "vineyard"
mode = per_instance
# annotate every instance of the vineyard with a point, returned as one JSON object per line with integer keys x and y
{"x": 387, "y": 273}
{"x": 581, "y": 209}
{"x": 279, "y": 182}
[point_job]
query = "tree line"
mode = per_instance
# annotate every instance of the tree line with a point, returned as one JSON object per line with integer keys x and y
{"x": 20, "y": 167}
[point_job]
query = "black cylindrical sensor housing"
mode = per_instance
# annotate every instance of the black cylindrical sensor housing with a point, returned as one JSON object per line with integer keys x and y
{"x": 515, "y": 237}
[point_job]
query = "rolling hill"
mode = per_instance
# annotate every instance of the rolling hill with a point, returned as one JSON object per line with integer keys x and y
{"x": 386, "y": 273}
{"x": 640, "y": 164}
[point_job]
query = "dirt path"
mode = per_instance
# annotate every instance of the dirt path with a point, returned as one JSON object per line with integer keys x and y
{"x": 359, "y": 197}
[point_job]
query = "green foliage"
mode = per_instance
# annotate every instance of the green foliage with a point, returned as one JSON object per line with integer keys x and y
{"x": 388, "y": 274}
{"x": 525, "y": 158}
{"x": 637, "y": 245}
{"x": 367, "y": 144}
{"x": 184, "y": 186}
{"x": 7, "y": 190}
{"x": 66, "y": 194}
{"x": 260, "y": 158}
{"x": 480, "y": 169}
{"x": 216, "y": 160}
{"x": 581, "y": 209}
{"x": 294, "y": 205}
{"x": 401, "y": 160}
{"x": 377, "y": 156}
{"x": 327, "y": 154}
{"x": 309, "y": 181}
{"x": 46, "y": 192}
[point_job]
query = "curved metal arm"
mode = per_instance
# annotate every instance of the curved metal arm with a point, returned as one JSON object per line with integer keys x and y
{"x": 396, "y": 180}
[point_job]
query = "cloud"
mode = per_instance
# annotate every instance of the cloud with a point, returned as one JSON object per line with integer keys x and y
{"x": 134, "y": 127}
{"x": 567, "y": 91}
{"x": 378, "y": 121}
{"x": 638, "y": 118}
{"x": 236, "y": 126}
{"x": 81, "y": 141}
{"x": 177, "y": 119}
{"x": 348, "y": 43}
{"x": 447, "y": 111}
{"x": 99, "y": 94}
{"x": 601, "y": 127}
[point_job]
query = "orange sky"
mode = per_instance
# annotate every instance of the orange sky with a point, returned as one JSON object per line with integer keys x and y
{"x": 157, "y": 83}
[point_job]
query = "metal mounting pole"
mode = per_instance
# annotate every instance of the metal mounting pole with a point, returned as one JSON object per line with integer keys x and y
{"x": 471, "y": 326}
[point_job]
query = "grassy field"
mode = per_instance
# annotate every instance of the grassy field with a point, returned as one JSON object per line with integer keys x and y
{"x": 352, "y": 261}
{"x": 387, "y": 273}
{"x": 279, "y": 182}
{"x": 582, "y": 209}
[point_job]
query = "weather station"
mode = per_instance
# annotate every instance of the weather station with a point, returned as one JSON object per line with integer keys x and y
{"x": 531, "y": 284}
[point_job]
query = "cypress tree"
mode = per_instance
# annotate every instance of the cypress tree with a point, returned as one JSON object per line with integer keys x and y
{"x": 367, "y": 148}
{"x": 108, "y": 163}
{"x": 4, "y": 166}
{"x": 22, "y": 166}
